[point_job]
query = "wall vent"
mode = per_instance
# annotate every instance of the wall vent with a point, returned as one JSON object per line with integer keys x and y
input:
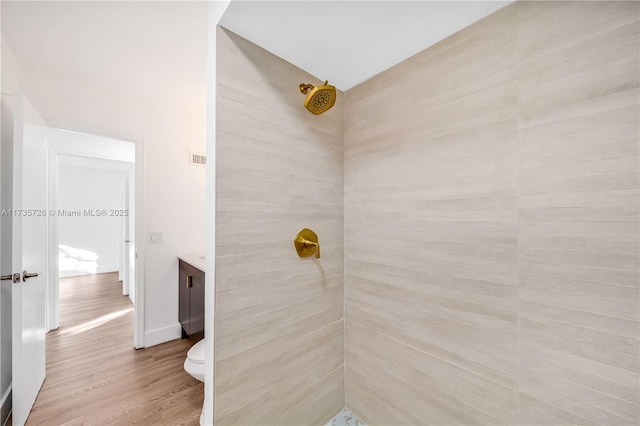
{"x": 197, "y": 159}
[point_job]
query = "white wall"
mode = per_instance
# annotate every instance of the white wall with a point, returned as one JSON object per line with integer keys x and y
{"x": 85, "y": 151}
{"x": 174, "y": 191}
{"x": 89, "y": 244}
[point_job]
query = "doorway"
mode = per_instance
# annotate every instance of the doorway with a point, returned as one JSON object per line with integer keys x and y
{"x": 92, "y": 199}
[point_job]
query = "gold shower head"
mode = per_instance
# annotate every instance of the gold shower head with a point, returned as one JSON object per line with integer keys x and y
{"x": 320, "y": 98}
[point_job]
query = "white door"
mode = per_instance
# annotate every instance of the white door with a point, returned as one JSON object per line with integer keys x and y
{"x": 24, "y": 228}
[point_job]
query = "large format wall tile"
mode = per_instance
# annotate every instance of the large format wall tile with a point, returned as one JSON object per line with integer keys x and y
{"x": 491, "y": 224}
{"x": 279, "y": 329}
{"x": 489, "y": 258}
{"x": 578, "y": 184}
{"x": 431, "y": 268}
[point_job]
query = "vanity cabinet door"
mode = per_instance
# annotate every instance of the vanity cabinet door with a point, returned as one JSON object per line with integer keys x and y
{"x": 183, "y": 296}
{"x": 191, "y": 300}
{"x": 196, "y": 306}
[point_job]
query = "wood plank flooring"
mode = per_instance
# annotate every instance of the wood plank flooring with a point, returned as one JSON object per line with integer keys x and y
{"x": 95, "y": 377}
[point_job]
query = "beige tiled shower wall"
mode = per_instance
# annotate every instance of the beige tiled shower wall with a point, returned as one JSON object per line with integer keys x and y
{"x": 279, "y": 328}
{"x": 491, "y": 224}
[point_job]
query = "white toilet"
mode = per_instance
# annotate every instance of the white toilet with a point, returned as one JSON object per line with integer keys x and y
{"x": 194, "y": 365}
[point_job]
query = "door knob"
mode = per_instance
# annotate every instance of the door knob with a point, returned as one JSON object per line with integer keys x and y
{"x": 26, "y": 275}
{"x": 15, "y": 278}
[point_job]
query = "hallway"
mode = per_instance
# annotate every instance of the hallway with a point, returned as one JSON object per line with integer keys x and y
{"x": 95, "y": 377}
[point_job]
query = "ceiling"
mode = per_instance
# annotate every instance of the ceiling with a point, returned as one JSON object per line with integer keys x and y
{"x": 149, "y": 48}
{"x": 347, "y": 42}
{"x": 158, "y": 49}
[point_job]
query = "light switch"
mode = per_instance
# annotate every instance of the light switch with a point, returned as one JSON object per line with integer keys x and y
{"x": 155, "y": 237}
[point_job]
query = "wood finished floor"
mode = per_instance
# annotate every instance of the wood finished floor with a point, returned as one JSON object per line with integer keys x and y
{"x": 95, "y": 377}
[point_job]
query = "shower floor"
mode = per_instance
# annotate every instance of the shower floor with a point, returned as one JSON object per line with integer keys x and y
{"x": 346, "y": 418}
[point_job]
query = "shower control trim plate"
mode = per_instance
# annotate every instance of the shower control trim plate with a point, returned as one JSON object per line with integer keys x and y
{"x": 306, "y": 243}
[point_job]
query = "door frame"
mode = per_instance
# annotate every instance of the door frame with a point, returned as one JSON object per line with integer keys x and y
{"x": 53, "y": 301}
{"x": 124, "y": 255}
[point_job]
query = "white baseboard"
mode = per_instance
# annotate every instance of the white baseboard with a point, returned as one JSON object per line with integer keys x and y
{"x": 112, "y": 268}
{"x": 5, "y": 406}
{"x": 99, "y": 270}
{"x": 161, "y": 335}
{"x": 66, "y": 274}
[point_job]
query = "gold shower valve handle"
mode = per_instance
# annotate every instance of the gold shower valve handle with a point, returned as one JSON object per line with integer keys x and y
{"x": 314, "y": 245}
{"x": 306, "y": 243}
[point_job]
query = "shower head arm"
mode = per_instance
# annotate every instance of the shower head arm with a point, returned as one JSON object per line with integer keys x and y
{"x": 304, "y": 88}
